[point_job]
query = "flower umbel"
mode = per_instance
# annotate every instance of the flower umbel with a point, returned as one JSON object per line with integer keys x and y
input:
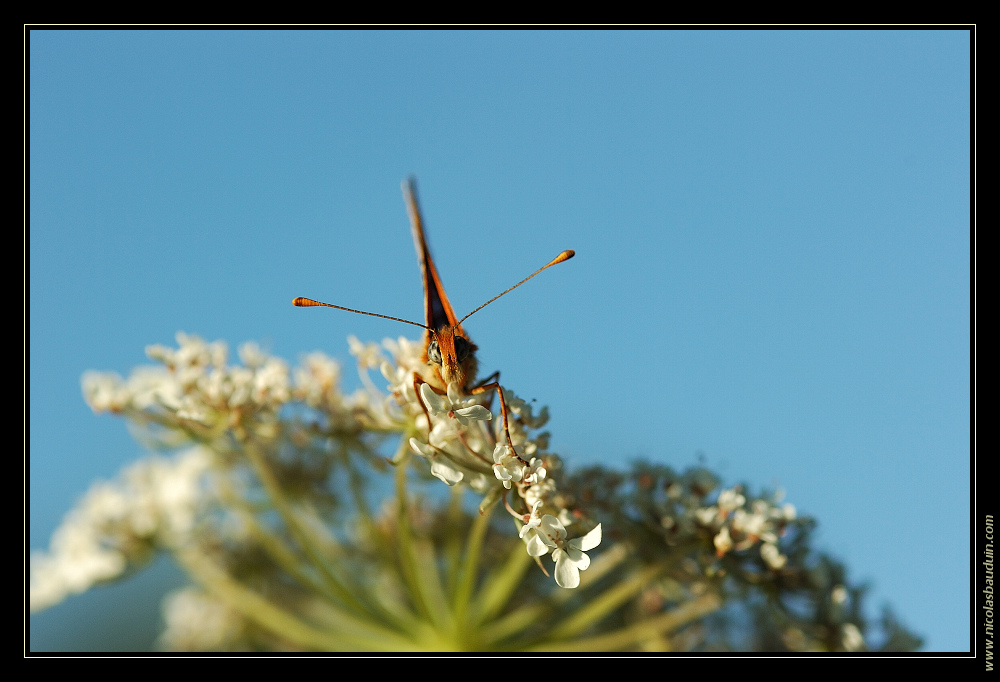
{"x": 263, "y": 496}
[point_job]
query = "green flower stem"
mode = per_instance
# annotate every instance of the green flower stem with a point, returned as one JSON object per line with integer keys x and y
{"x": 501, "y": 584}
{"x": 351, "y": 633}
{"x": 299, "y": 531}
{"x": 290, "y": 562}
{"x": 648, "y": 629}
{"x": 285, "y": 558}
{"x": 453, "y": 549}
{"x": 515, "y": 622}
{"x": 358, "y": 494}
{"x": 526, "y": 616}
{"x": 419, "y": 565}
{"x": 469, "y": 567}
{"x": 433, "y": 594}
{"x": 600, "y": 606}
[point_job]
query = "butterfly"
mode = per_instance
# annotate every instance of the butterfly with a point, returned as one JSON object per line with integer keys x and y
{"x": 449, "y": 353}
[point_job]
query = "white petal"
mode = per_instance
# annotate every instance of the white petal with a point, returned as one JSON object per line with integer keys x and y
{"x": 445, "y": 472}
{"x": 474, "y": 412}
{"x": 499, "y": 451}
{"x": 536, "y": 547}
{"x": 422, "y": 449}
{"x": 572, "y": 555}
{"x": 588, "y": 541}
{"x": 435, "y": 403}
{"x": 567, "y": 574}
{"x": 501, "y": 473}
{"x": 551, "y": 526}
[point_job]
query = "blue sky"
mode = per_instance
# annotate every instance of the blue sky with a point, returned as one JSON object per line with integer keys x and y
{"x": 772, "y": 233}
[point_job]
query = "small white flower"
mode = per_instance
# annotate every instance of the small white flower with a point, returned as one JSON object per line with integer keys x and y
{"x": 730, "y": 500}
{"x": 770, "y": 554}
{"x": 155, "y": 499}
{"x": 536, "y": 545}
{"x": 707, "y": 516}
{"x": 507, "y": 467}
{"x": 723, "y": 543}
{"x": 317, "y": 379}
{"x": 196, "y": 621}
{"x": 838, "y": 595}
{"x": 400, "y": 382}
{"x": 369, "y": 355}
{"x": 523, "y": 410}
{"x": 539, "y": 492}
{"x": 530, "y": 533}
{"x": 852, "y": 638}
{"x": 531, "y": 520}
{"x": 465, "y": 410}
{"x": 544, "y": 536}
{"x": 570, "y": 559}
{"x": 105, "y": 392}
{"x": 406, "y": 352}
{"x": 441, "y": 468}
{"x": 751, "y": 524}
{"x": 550, "y": 534}
{"x": 534, "y": 473}
{"x": 271, "y": 383}
{"x": 251, "y": 355}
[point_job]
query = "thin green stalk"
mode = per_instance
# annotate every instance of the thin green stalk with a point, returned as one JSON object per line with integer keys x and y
{"x": 406, "y": 551}
{"x": 596, "y": 608}
{"x": 513, "y": 623}
{"x": 502, "y": 583}
{"x": 298, "y": 530}
{"x": 289, "y": 562}
{"x": 432, "y": 591}
{"x": 272, "y": 545}
{"x": 349, "y": 634}
{"x": 524, "y": 617}
{"x": 357, "y": 490}
{"x": 634, "y": 635}
{"x": 469, "y": 571}
{"x": 453, "y": 547}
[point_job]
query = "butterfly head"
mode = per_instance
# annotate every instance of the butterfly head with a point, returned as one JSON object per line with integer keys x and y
{"x": 451, "y": 356}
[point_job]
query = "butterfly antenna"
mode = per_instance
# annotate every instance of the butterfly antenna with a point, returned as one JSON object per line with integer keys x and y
{"x": 564, "y": 256}
{"x": 309, "y": 303}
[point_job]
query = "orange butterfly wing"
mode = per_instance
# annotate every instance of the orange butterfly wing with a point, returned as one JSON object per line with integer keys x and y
{"x": 437, "y": 308}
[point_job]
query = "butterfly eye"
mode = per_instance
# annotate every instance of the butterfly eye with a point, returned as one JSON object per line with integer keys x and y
{"x": 434, "y": 352}
{"x": 462, "y": 349}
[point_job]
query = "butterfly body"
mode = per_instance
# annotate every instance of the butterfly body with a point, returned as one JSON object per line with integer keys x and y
{"x": 449, "y": 353}
{"x": 448, "y": 350}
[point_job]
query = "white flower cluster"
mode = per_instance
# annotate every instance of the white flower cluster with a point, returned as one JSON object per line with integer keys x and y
{"x": 461, "y": 446}
{"x": 196, "y": 391}
{"x": 196, "y": 396}
{"x": 195, "y": 386}
{"x": 196, "y": 621}
{"x": 118, "y": 524}
{"x": 737, "y": 528}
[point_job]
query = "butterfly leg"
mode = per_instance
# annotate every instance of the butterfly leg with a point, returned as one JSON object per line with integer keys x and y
{"x": 491, "y": 380}
{"x": 417, "y": 381}
{"x": 494, "y": 386}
